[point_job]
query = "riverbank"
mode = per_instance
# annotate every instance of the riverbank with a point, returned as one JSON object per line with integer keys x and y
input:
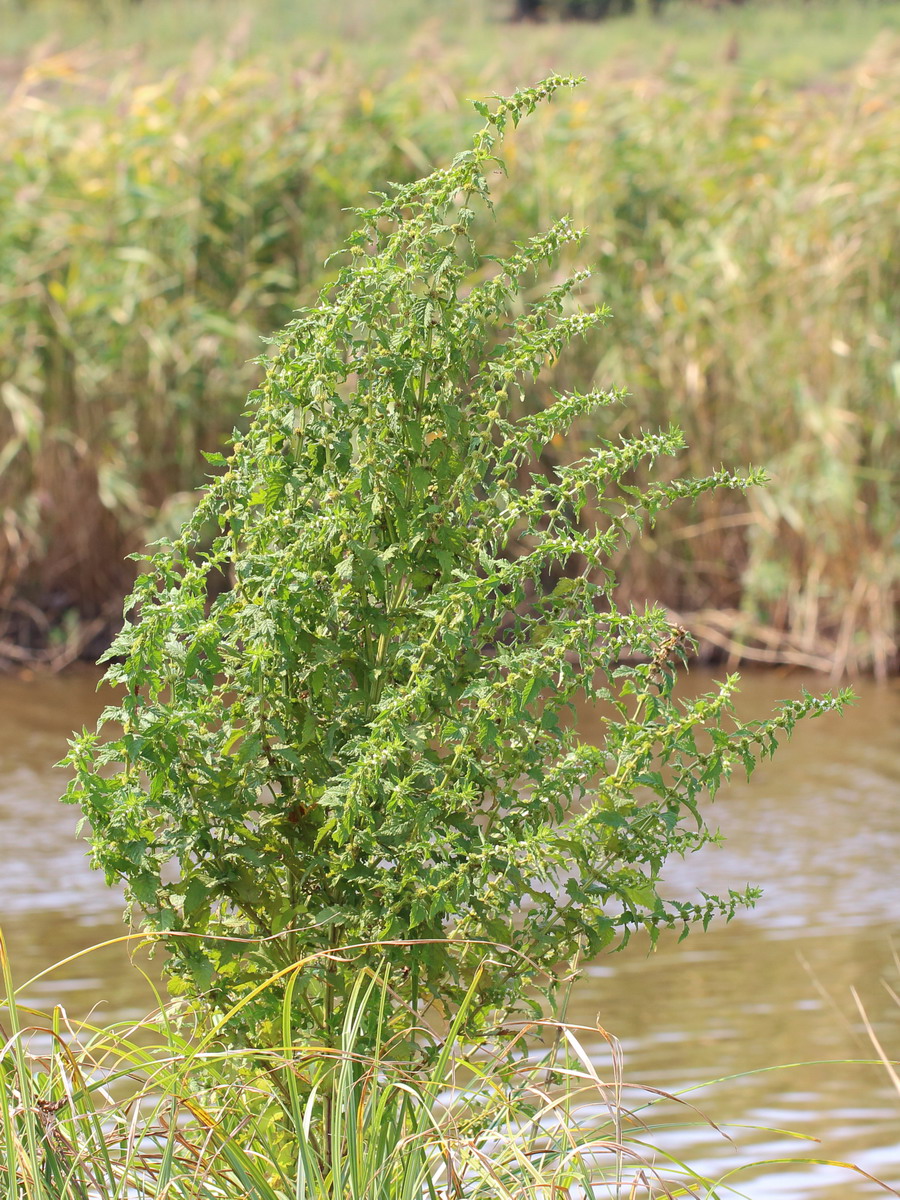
{"x": 160, "y": 217}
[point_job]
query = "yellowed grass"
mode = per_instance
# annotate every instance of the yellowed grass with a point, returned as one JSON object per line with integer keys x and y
{"x": 153, "y": 225}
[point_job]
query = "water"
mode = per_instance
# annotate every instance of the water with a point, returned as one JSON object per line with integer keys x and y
{"x": 819, "y": 829}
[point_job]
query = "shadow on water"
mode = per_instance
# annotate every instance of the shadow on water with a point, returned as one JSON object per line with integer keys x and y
{"x": 818, "y": 829}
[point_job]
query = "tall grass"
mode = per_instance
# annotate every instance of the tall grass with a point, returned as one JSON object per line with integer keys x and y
{"x": 750, "y": 250}
{"x": 746, "y": 237}
{"x": 158, "y": 1108}
{"x": 151, "y": 234}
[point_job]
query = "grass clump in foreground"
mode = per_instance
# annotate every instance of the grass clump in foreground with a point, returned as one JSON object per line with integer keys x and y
{"x": 348, "y": 685}
{"x": 168, "y": 1108}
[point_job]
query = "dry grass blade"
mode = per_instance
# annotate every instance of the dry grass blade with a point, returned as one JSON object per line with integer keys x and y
{"x": 873, "y": 1038}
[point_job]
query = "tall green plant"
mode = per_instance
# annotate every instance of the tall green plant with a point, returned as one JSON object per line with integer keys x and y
{"x": 368, "y": 735}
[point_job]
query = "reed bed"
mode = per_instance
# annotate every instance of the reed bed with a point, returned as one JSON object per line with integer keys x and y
{"x": 153, "y": 226}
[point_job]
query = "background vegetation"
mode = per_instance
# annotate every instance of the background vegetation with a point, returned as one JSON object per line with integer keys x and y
{"x": 170, "y": 189}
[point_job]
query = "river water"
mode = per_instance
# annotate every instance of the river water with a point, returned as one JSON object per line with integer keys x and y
{"x": 818, "y": 828}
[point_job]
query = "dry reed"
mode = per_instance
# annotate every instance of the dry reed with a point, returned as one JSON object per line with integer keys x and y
{"x": 746, "y": 238}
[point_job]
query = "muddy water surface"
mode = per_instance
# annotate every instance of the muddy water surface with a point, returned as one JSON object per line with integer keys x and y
{"x": 819, "y": 829}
